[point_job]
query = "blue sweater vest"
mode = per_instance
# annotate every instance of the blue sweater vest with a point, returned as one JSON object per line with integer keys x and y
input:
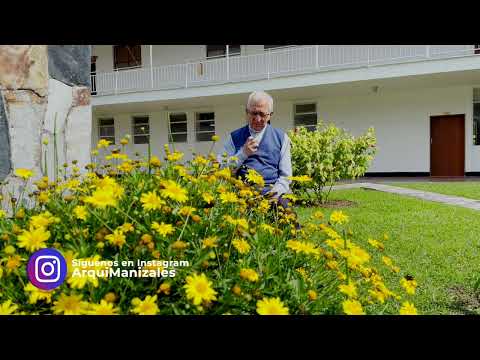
{"x": 267, "y": 158}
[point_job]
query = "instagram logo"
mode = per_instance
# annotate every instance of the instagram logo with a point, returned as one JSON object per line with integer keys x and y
{"x": 47, "y": 269}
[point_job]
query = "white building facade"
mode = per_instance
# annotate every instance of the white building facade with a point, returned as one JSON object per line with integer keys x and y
{"x": 422, "y": 100}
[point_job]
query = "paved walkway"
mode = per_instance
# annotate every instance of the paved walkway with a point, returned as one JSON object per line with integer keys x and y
{"x": 419, "y": 194}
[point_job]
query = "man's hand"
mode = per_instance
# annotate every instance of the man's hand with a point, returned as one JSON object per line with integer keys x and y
{"x": 250, "y": 147}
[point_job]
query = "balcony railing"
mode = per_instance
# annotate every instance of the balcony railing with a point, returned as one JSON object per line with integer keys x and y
{"x": 270, "y": 64}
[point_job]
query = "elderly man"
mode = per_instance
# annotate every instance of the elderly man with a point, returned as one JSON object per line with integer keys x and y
{"x": 261, "y": 147}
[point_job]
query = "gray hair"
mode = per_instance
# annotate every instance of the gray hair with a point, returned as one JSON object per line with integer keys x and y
{"x": 258, "y": 96}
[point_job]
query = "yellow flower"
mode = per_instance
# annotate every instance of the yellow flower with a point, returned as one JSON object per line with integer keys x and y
{"x": 80, "y": 212}
{"x": 228, "y": 197}
{"x": 127, "y": 227}
{"x": 378, "y": 295}
{"x": 408, "y": 309}
{"x": 387, "y": 261}
{"x": 9, "y": 250}
{"x": 267, "y": 228}
{"x": 104, "y": 308}
{"x": 151, "y": 201}
{"x": 249, "y": 274}
{"x": 338, "y": 217}
{"x": 7, "y": 308}
{"x": 350, "y": 290}
{"x": 271, "y": 306}
{"x": 173, "y": 191}
{"x": 376, "y": 244}
{"x": 37, "y": 294}
{"x": 255, "y": 177}
{"x": 318, "y": 215}
{"x": 34, "y": 239}
{"x": 215, "y": 138}
{"x": 103, "y": 143}
{"x": 357, "y": 256}
{"x": 148, "y": 306}
{"x": 110, "y": 297}
{"x": 312, "y": 295}
{"x": 126, "y": 166}
{"x": 175, "y": 156}
{"x": 242, "y": 246}
{"x": 303, "y": 247}
{"x": 24, "y": 173}
{"x": 70, "y": 305}
{"x": 164, "y": 288}
{"x": 117, "y": 238}
{"x": 13, "y": 262}
{"x": 102, "y": 198}
{"x": 352, "y": 307}
{"x": 2, "y": 214}
{"x": 187, "y": 211}
{"x": 225, "y": 173}
{"x": 300, "y": 179}
{"x": 163, "y": 229}
{"x": 179, "y": 245}
{"x": 155, "y": 161}
{"x": 199, "y": 289}
{"x": 208, "y": 198}
{"x": 209, "y": 242}
{"x": 43, "y": 197}
{"x": 42, "y": 220}
{"x": 409, "y": 284}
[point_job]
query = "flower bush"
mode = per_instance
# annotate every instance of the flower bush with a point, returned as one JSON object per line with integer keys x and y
{"x": 326, "y": 155}
{"x": 245, "y": 255}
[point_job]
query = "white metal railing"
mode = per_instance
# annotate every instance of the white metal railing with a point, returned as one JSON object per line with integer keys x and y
{"x": 275, "y": 62}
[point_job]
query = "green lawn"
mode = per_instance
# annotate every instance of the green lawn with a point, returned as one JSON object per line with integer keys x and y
{"x": 468, "y": 189}
{"x": 438, "y": 244}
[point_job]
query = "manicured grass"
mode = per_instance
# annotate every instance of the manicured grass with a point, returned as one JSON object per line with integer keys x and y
{"x": 438, "y": 244}
{"x": 468, "y": 189}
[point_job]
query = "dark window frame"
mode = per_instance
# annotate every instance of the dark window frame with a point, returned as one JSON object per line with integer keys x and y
{"x": 100, "y": 126}
{"x": 296, "y": 114}
{"x": 223, "y": 50}
{"x": 133, "y": 53}
{"x": 137, "y": 136}
{"x": 476, "y": 117}
{"x": 171, "y": 134}
{"x": 199, "y": 133}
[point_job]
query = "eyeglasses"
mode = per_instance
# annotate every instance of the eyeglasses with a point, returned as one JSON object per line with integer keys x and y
{"x": 259, "y": 113}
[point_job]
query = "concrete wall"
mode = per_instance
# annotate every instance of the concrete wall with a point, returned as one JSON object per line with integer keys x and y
{"x": 401, "y": 120}
{"x": 39, "y": 83}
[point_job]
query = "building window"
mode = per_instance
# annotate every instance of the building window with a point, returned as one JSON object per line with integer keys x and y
{"x": 476, "y": 116}
{"x": 106, "y": 130}
{"x": 177, "y": 129}
{"x": 204, "y": 126}
{"x": 127, "y": 56}
{"x": 477, "y": 49}
{"x": 221, "y": 50}
{"x": 141, "y": 130}
{"x": 306, "y": 115}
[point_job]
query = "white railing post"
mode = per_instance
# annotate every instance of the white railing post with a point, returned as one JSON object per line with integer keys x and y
{"x": 316, "y": 56}
{"x": 228, "y": 69}
{"x": 368, "y": 57}
{"x": 151, "y": 66}
{"x": 116, "y": 81}
{"x": 186, "y": 75}
{"x": 428, "y": 51}
{"x": 268, "y": 64}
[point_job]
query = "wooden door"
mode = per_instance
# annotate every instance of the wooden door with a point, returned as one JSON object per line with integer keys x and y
{"x": 447, "y": 145}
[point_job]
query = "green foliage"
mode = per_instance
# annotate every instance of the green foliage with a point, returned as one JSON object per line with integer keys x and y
{"x": 327, "y": 155}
